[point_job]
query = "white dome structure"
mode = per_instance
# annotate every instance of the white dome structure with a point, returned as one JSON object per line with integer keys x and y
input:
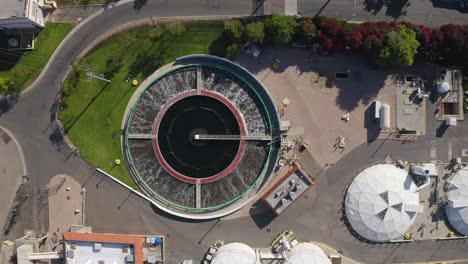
{"x": 443, "y": 87}
{"x": 382, "y": 203}
{"x": 307, "y": 253}
{"x": 457, "y": 207}
{"x": 235, "y": 253}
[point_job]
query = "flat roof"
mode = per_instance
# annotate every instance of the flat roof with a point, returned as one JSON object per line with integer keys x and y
{"x": 288, "y": 189}
{"x": 111, "y": 250}
{"x": 12, "y": 8}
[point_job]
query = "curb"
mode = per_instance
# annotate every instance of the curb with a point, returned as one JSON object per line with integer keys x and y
{"x": 20, "y": 149}
{"x": 58, "y": 49}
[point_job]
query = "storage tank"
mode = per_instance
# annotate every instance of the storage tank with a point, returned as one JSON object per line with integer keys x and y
{"x": 235, "y": 253}
{"x": 443, "y": 87}
{"x": 457, "y": 206}
{"x": 307, "y": 253}
{"x": 390, "y": 204}
{"x": 385, "y": 116}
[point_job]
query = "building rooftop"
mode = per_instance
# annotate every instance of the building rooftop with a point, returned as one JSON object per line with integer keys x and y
{"x": 382, "y": 203}
{"x": 411, "y": 109}
{"x": 111, "y": 248}
{"x": 12, "y": 8}
{"x": 287, "y": 189}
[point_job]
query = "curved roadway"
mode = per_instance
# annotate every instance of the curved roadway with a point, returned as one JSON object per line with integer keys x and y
{"x": 109, "y": 208}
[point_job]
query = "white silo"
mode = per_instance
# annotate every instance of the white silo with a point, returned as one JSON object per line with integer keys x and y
{"x": 235, "y": 253}
{"x": 307, "y": 253}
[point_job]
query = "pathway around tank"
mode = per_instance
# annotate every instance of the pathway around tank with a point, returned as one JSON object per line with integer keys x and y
{"x": 12, "y": 169}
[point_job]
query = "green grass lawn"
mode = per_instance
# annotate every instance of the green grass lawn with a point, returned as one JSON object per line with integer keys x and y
{"x": 93, "y": 109}
{"x": 30, "y": 64}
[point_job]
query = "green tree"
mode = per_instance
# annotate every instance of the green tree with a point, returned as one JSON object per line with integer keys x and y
{"x": 4, "y": 84}
{"x": 280, "y": 28}
{"x": 234, "y": 28}
{"x": 175, "y": 28}
{"x": 255, "y": 31}
{"x": 307, "y": 30}
{"x": 231, "y": 51}
{"x": 400, "y": 47}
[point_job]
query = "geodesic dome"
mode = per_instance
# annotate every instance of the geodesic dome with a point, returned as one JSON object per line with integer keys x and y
{"x": 457, "y": 207}
{"x": 382, "y": 203}
{"x": 235, "y": 253}
{"x": 307, "y": 253}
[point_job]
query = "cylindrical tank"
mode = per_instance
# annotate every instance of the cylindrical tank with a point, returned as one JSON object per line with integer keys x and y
{"x": 385, "y": 116}
{"x": 234, "y": 253}
{"x": 307, "y": 253}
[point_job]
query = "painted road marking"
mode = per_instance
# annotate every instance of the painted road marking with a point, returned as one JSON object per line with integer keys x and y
{"x": 433, "y": 149}
{"x": 450, "y": 150}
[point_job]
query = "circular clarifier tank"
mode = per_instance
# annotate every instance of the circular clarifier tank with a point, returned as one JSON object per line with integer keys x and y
{"x": 198, "y": 137}
{"x": 181, "y": 123}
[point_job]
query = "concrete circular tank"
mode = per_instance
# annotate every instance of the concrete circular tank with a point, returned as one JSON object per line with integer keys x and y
{"x": 235, "y": 253}
{"x": 199, "y": 137}
{"x": 307, "y": 253}
{"x": 457, "y": 206}
{"x": 382, "y": 203}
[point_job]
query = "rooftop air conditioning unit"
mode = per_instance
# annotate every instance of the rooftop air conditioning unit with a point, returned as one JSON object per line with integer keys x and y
{"x": 129, "y": 259}
{"x": 97, "y": 246}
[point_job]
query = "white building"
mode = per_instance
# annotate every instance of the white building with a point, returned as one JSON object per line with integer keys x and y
{"x": 457, "y": 206}
{"x": 16, "y": 14}
{"x": 21, "y": 20}
{"x": 382, "y": 203}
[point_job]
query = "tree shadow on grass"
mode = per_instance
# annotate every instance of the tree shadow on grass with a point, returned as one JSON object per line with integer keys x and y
{"x": 219, "y": 46}
{"x": 70, "y": 126}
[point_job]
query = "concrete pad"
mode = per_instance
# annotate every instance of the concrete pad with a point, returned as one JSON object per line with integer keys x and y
{"x": 317, "y": 100}
{"x": 63, "y": 203}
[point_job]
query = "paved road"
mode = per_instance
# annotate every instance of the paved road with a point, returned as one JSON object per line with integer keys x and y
{"x": 31, "y": 116}
{"x": 418, "y": 11}
{"x": 11, "y": 171}
{"x": 317, "y": 216}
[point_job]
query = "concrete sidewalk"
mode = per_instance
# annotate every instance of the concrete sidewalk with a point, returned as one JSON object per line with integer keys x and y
{"x": 65, "y": 196}
{"x": 73, "y": 13}
{"x": 11, "y": 170}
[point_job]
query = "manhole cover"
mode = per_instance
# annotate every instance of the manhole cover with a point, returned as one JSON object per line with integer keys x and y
{"x": 268, "y": 230}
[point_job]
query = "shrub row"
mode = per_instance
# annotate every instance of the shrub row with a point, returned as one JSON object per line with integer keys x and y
{"x": 391, "y": 43}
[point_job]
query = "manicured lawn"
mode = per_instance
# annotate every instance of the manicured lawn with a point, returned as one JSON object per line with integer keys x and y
{"x": 93, "y": 109}
{"x": 25, "y": 70}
